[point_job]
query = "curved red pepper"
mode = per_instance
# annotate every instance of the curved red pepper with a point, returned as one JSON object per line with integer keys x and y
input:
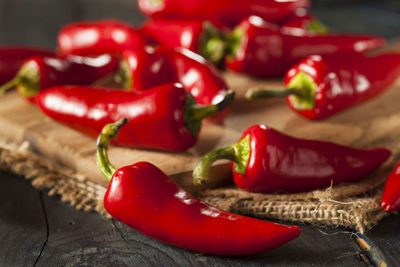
{"x": 38, "y": 73}
{"x": 343, "y": 82}
{"x": 145, "y": 68}
{"x": 199, "y": 36}
{"x": 165, "y": 117}
{"x": 11, "y": 58}
{"x": 266, "y": 160}
{"x": 321, "y": 86}
{"x": 146, "y": 199}
{"x": 262, "y": 49}
{"x": 98, "y": 37}
{"x": 391, "y": 194}
{"x": 229, "y": 12}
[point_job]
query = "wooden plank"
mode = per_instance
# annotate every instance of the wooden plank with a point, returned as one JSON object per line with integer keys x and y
{"x": 22, "y": 223}
{"x": 81, "y": 238}
{"x": 374, "y": 123}
{"x": 22, "y": 121}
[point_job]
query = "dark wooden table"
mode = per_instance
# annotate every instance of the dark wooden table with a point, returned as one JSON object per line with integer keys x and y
{"x": 39, "y": 230}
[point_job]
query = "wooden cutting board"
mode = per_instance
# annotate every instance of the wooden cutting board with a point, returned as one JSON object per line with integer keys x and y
{"x": 375, "y": 123}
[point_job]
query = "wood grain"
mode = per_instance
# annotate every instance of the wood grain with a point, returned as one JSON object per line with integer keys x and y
{"x": 78, "y": 238}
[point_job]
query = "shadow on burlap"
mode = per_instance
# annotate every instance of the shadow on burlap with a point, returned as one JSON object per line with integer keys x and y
{"x": 353, "y": 206}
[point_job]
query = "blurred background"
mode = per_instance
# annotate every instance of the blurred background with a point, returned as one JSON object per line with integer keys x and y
{"x": 36, "y": 22}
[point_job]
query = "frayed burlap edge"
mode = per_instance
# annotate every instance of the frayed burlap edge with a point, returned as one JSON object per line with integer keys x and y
{"x": 358, "y": 212}
{"x": 44, "y": 174}
{"x": 354, "y": 206}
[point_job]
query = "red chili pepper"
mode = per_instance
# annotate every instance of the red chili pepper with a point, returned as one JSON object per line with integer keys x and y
{"x": 201, "y": 37}
{"x": 145, "y": 68}
{"x": 263, "y": 49}
{"x": 391, "y": 194}
{"x": 11, "y": 58}
{"x": 146, "y": 199}
{"x": 229, "y": 12}
{"x": 321, "y": 86}
{"x": 165, "y": 117}
{"x": 38, "y": 73}
{"x": 98, "y": 37}
{"x": 265, "y": 160}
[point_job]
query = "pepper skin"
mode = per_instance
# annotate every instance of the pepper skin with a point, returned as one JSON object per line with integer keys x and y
{"x": 38, "y": 73}
{"x": 201, "y": 37}
{"x": 145, "y": 68}
{"x": 265, "y": 160}
{"x": 146, "y": 199}
{"x": 11, "y": 58}
{"x": 262, "y": 49}
{"x": 98, "y": 37}
{"x": 228, "y": 12}
{"x": 321, "y": 86}
{"x": 391, "y": 194}
{"x": 165, "y": 117}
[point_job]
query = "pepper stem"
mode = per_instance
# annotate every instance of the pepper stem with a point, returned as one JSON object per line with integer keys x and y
{"x": 8, "y": 85}
{"x": 318, "y": 27}
{"x": 109, "y": 132}
{"x": 301, "y": 91}
{"x": 239, "y": 153}
{"x": 199, "y": 112}
{"x": 259, "y": 93}
{"x": 195, "y": 113}
{"x": 212, "y": 43}
{"x": 124, "y": 76}
{"x": 27, "y": 79}
{"x": 234, "y": 40}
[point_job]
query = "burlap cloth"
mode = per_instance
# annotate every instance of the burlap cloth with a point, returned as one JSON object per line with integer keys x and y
{"x": 353, "y": 206}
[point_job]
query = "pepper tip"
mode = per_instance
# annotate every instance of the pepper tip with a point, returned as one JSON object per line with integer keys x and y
{"x": 249, "y": 94}
{"x": 197, "y": 181}
{"x": 386, "y": 206}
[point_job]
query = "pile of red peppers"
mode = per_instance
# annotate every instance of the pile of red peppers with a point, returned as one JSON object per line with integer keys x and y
{"x": 168, "y": 80}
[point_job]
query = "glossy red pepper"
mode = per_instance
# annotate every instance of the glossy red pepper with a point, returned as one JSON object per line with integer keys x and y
{"x": 165, "y": 117}
{"x": 146, "y": 199}
{"x": 229, "y": 12}
{"x": 199, "y": 36}
{"x": 145, "y": 68}
{"x": 38, "y": 73}
{"x": 391, "y": 194}
{"x": 262, "y": 49}
{"x": 265, "y": 160}
{"x": 11, "y": 58}
{"x": 321, "y": 86}
{"x": 98, "y": 37}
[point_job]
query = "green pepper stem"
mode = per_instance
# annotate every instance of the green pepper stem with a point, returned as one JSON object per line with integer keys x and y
{"x": 199, "y": 112}
{"x": 212, "y": 43}
{"x": 233, "y": 41}
{"x": 109, "y": 132}
{"x": 8, "y": 85}
{"x": 318, "y": 27}
{"x": 239, "y": 153}
{"x": 124, "y": 75}
{"x": 201, "y": 171}
{"x": 259, "y": 93}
